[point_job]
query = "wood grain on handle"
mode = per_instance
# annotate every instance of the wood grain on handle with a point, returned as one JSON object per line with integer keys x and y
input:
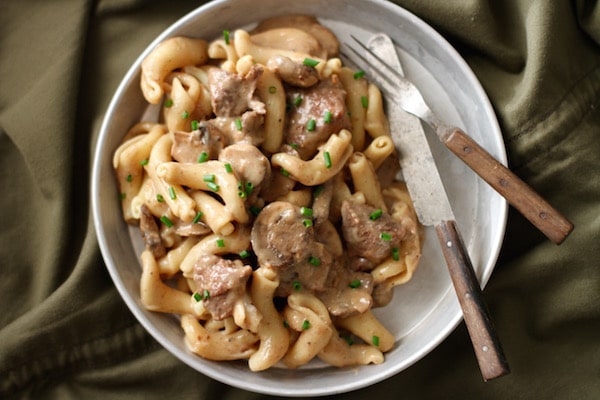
{"x": 518, "y": 194}
{"x": 486, "y": 344}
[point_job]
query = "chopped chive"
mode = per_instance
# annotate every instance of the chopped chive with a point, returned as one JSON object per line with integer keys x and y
{"x": 185, "y": 115}
{"x": 228, "y": 168}
{"x": 355, "y": 284}
{"x": 284, "y": 172}
{"x": 318, "y": 191}
{"x": 297, "y": 100}
{"x": 297, "y": 285}
{"x": 249, "y": 188}
{"x": 244, "y": 254}
{"x": 385, "y": 236}
{"x": 226, "y": 36}
{"x": 375, "y": 214}
{"x": 375, "y": 340}
{"x": 195, "y": 125}
{"x": 316, "y": 261}
{"x": 205, "y": 294}
{"x": 327, "y": 117}
{"x": 238, "y": 124}
{"x": 307, "y": 223}
{"x": 197, "y": 296}
{"x": 220, "y": 243}
{"x": 255, "y": 210}
{"x": 286, "y": 324}
{"x": 144, "y": 162}
{"x": 364, "y": 100}
{"x": 327, "y": 157}
{"x": 129, "y": 178}
{"x": 305, "y": 324}
{"x": 213, "y": 186}
{"x": 311, "y": 125}
{"x": 203, "y": 157}
{"x": 172, "y": 193}
{"x": 294, "y": 146}
{"x": 348, "y": 339}
{"x": 309, "y": 62}
{"x": 165, "y": 220}
{"x": 160, "y": 198}
{"x": 272, "y": 89}
{"x": 242, "y": 194}
{"x": 168, "y": 103}
{"x": 196, "y": 219}
{"x": 359, "y": 74}
{"x": 307, "y": 212}
{"x": 396, "y": 254}
{"x": 123, "y": 196}
{"x": 208, "y": 178}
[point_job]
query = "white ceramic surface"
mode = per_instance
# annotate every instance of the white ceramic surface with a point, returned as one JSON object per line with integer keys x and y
{"x": 425, "y": 310}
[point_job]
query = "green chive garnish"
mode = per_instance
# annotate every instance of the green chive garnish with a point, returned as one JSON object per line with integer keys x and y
{"x": 327, "y": 157}
{"x": 185, "y": 115}
{"x": 307, "y": 223}
{"x": 129, "y": 178}
{"x": 168, "y": 103}
{"x": 364, "y": 100}
{"x": 272, "y": 89}
{"x": 220, "y": 243}
{"x": 255, "y": 210}
{"x": 203, "y": 157}
{"x": 226, "y": 36}
{"x": 327, "y": 117}
{"x": 385, "y": 236}
{"x": 307, "y": 212}
{"x": 294, "y": 146}
{"x": 213, "y": 186}
{"x": 197, "y": 296}
{"x": 144, "y": 162}
{"x": 348, "y": 339}
{"x": 172, "y": 193}
{"x": 123, "y": 196}
{"x": 284, "y": 172}
{"x": 375, "y": 340}
{"x": 297, "y": 285}
{"x": 238, "y": 124}
{"x": 306, "y": 324}
{"x": 359, "y": 74}
{"x": 318, "y": 191}
{"x": 208, "y": 178}
{"x": 160, "y": 198}
{"x": 396, "y": 254}
{"x": 375, "y": 214}
{"x": 297, "y": 100}
{"x": 205, "y": 294}
{"x": 165, "y": 220}
{"x": 355, "y": 284}
{"x": 316, "y": 261}
{"x": 244, "y": 254}
{"x": 196, "y": 219}
{"x": 309, "y": 62}
{"x": 228, "y": 168}
{"x": 311, "y": 125}
{"x": 194, "y": 125}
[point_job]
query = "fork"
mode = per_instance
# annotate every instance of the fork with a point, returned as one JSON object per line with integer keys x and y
{"x": 518, "y": 194}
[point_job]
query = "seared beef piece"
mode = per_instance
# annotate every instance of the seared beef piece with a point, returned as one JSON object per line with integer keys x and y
{"x": 225, "y": 281}
{"x": 313, "y": 103}
{"x": 187, "y": 146}
{"x": 232, "y": 94}
{"x": 368, "y": 238}
{"x": 279, "y": 237}
{"x": 151, "y": 233}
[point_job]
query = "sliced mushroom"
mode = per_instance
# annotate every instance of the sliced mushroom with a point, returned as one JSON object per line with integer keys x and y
{"x": 293, "y": 73}
{"x": 151, "y": 233}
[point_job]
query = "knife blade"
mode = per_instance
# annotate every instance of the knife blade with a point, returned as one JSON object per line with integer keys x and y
{"x": 433, "y": 209}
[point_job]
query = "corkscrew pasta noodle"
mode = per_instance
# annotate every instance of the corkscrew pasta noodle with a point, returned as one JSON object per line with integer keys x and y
{"x": 266, "y": 226}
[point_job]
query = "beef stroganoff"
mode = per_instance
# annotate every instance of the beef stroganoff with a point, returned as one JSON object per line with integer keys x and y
{"x": 267, "y": 199}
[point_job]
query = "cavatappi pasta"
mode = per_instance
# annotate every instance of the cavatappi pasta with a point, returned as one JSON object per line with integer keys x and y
{"x": 266, "y": 197}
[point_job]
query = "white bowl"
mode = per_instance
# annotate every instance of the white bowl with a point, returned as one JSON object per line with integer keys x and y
{"x": 423, "y": 311}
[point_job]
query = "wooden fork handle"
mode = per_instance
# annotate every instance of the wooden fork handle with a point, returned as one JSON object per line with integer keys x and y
{"x": 518, "y": 194}
{"x": 488, "y": 351}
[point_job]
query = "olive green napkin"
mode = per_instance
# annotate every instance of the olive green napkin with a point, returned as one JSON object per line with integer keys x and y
{"x": 64, "y": 331}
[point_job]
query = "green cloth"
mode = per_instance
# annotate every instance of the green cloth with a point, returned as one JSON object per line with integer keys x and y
{"x": 65, "y": 332}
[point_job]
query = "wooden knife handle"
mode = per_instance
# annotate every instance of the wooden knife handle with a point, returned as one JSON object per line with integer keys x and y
{"x": 486, "y": 344}
{"x": 518, "y": 194}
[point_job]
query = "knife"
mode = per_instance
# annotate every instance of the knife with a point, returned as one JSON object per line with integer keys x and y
{"x": 433, "y": 209}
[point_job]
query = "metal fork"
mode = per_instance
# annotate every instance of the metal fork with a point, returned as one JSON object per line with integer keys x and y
{"x": 518, "y": 194}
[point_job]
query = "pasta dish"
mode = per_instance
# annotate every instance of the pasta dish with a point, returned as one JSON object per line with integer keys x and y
{"x": 267, "y": 199}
